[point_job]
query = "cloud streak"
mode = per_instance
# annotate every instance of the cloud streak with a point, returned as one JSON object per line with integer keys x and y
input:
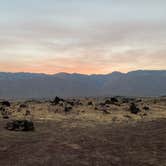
{"x": 82, "y": 36}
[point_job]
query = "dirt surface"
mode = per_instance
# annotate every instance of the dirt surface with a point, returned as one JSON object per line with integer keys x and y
{"x": 79, "y": 143}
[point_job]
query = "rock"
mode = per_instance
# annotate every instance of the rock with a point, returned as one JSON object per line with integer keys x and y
{"x": 2, "y": 109}
{"x": 27, "y": 113}
{"x": 146, "y": 108}
{"x": 23, "y": 106}
{"x": 96, "y": 108}
{"x": 67, "y": 109}
{"x": 4, "y": 113}
{"x": 127, "y": 100}
{"x": 90, "y": 103}
{"x": 20, "y": 125}
{"x": 5, "y": 117}
{"x": 56, "y": 100}
{"x": 5, "y": 103}
{"x": 71, "y": 103}
{"x": 139, "y": 100}
{"x": 102, "y": 104}
{"x": 114, "y": 100}
{"x": 104, "y": 110}
{"x": 134, "y": 109}
{"x": 108, "y": 102}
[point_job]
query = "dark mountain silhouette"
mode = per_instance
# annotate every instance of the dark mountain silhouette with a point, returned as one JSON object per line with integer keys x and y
{"x": 135, "y": 83}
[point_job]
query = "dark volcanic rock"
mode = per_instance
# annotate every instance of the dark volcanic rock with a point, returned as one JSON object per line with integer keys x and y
{"x": 27, "y": 113}
{"x": 23, "y": 106}
{"x": 56, "y": 100}
{"x": 4, "y": 113}
{"x": 20, "y": 125}
{"x": 90, "y": 103}
{"x": 114, "y": 99}
{"x": 108, "y": 102}
{"x": 134, "y": 109}
{"x": 5, "y": 103}
{"x": 146, "y": 108}
{"x": 67, "y": 109}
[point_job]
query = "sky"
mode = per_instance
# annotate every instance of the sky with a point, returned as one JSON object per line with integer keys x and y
{"x": 82, "y": 36}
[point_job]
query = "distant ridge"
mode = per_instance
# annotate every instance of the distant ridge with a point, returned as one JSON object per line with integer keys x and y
{"x": 34, "y": 85}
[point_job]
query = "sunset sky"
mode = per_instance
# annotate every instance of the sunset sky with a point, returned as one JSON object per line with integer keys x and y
{"x": 82, "y": 36}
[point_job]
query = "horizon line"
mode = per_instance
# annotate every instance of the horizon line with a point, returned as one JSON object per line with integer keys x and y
{"x": 42, "y": 73}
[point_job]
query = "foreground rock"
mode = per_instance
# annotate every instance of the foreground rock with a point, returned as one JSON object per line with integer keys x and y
{"x": 20, "y": 125}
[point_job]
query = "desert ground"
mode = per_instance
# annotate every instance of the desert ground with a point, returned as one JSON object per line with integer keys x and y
{"x": 104, "y": 131}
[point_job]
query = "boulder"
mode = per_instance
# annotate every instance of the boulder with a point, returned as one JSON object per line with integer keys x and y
{"x": 23, "y": 106}
{"x": 4, "y": 113}
{"x": 5, "y": 103}
{"x": 108, "y": 102}
{"x": 67, "y": 109}
{"x": 20, "y": 125}
{"x": 114, "y": 99}
{"x": 134, "y": 109}
{"x": 56, "y": 100}
{"x": 27, "y": 113}
{"x": 90, "y": 103}
{"x": 146, "y": 108}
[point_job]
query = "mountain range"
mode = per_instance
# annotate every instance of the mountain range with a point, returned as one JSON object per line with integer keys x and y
{"x": 31, "y": 85}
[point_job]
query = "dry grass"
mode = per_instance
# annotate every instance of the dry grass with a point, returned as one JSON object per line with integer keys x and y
{"x": 47, "y": 111}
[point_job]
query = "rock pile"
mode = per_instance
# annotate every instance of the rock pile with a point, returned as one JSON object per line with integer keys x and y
{"x": 20, "y": 125}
